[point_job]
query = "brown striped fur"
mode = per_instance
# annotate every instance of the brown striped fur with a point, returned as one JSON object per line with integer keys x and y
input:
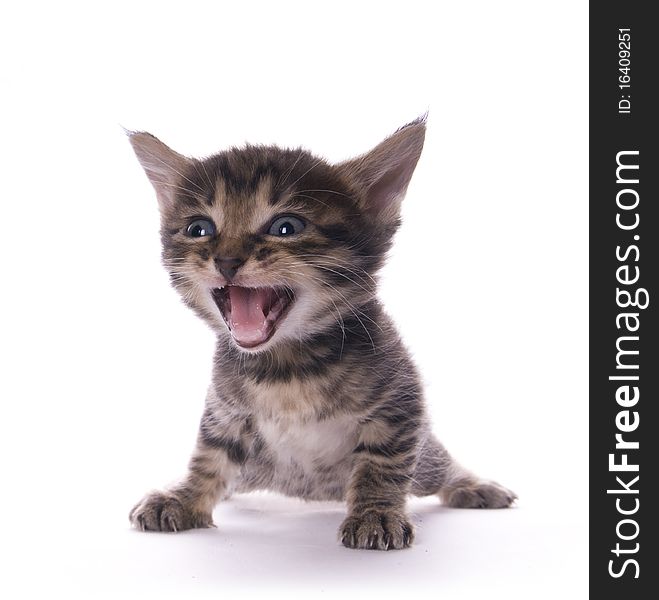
{"x": 331, "y": 406}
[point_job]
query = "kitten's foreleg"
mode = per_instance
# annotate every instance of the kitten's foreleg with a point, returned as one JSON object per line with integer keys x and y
{"x": 189, "y": 504}
{"x": 376, "y": 495}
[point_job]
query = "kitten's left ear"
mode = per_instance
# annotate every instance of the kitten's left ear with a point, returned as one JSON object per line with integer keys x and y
{"x": 164, "y": 167}
{"x": 384, "y": 173}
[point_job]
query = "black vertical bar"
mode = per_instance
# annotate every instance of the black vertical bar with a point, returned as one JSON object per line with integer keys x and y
{"x": 624, "y": 261}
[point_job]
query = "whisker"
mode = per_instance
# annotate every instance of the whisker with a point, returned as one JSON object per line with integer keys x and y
{"x": 311, "y": 168}
{"x": 325, "y": 191}
{"x": 298, "y": 195}
{"x": 289, "y": 170}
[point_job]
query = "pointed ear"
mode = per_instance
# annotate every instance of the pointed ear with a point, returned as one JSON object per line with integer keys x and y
{"x": 164, "y": 167}
{"x": 384, "y": 173}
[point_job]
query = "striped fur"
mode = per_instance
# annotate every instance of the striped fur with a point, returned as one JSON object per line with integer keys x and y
{"x": 331, "y": 406}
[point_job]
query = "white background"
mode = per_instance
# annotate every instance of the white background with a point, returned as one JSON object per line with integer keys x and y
{"x": 104, "y": 371}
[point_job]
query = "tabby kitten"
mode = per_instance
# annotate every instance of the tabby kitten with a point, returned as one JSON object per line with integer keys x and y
{"x": 312, "y": 393}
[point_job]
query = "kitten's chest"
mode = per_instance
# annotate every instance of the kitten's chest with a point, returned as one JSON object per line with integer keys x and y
{"x": 310, "y": 444}
{"x": 293, "y": 434}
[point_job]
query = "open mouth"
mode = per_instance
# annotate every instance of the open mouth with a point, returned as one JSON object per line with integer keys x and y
{"x": 252, "y": 314}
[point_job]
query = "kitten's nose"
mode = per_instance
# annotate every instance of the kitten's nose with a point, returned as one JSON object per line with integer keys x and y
{"x": 228, "y": 266}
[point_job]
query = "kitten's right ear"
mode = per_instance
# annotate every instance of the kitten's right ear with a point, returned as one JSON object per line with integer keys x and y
{"x": 164, "y": 167}
{"x": 384, "y": 173}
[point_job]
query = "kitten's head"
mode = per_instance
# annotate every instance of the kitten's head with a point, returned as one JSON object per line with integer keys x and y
{"x": 271, "y": 245}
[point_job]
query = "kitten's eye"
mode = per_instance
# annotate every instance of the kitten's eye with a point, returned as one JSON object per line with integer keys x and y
{"x": 285, "y": 226}
{"x": 200, "y": 228}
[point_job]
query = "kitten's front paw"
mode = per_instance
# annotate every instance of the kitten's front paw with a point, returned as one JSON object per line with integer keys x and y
{"x": 160, "y": 511}
{"x": 377, "y": 530}
{"x": 479, "y": 494}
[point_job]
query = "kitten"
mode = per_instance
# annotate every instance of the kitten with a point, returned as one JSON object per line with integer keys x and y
{"x": 312, "y": 393}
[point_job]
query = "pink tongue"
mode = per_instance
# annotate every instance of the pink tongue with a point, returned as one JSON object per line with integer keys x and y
{"x": 248, "y": 321}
